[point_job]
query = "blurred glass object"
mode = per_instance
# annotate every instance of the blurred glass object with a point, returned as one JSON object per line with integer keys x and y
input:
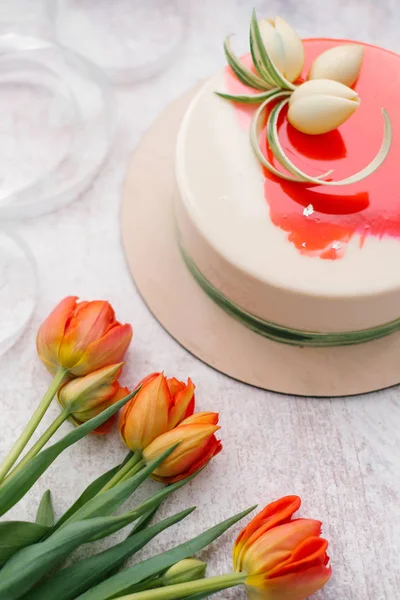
{"x": 18, "y": 288}
{"x": 131, "y": 40}
{"x": 56, "y": 123}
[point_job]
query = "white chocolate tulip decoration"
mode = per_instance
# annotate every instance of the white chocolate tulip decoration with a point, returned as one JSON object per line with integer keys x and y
{"x": 284, "y": 47}
{"x": 341, "y": 63}
{"x": 321, "y": 105}
{"x": 317, "y": 106}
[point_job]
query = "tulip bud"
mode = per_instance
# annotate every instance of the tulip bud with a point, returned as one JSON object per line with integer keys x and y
{"x": 185, "y": 570}
{"x": 197, "y": 446}
{"x": 86, "y": 397}
{"x": 81, "y": 337}
{"x": 284, "y": 47}
{"x": 159, "y": 406}
{"x": 341, "y": 63}
{"x": 320, "y": 105}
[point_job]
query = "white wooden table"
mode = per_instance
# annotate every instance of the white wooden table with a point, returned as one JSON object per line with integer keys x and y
{"x": 340, "y": 455}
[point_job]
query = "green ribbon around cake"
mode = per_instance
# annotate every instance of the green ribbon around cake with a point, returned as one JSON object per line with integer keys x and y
{"x": 285, "y": 335}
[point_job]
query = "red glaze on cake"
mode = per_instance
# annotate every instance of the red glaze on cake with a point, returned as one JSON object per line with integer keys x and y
{"x": 370, "y": 207}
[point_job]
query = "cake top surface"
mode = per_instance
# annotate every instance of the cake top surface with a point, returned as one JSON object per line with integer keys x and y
{"x": 311, "y": 238}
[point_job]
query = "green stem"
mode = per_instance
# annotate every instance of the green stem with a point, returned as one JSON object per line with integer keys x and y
{"x": 42, "y": 441}
{"x": 34, "y": 421}
{"x": 120, "y": 475}
{"x": 181, "y": 590}
{"x": 150, "y": 585}
{"x": 134, "y": 470}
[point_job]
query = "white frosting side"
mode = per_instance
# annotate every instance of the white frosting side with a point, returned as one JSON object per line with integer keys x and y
{"x": 224, "y": 221}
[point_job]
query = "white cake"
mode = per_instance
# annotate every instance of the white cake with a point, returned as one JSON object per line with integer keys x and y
{"x": 311, "y": 289}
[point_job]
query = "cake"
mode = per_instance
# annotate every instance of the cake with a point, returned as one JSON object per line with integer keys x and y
{"x": 298, "y": 260}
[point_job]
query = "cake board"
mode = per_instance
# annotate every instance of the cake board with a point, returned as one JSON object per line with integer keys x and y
{"x": 196, "y": 322}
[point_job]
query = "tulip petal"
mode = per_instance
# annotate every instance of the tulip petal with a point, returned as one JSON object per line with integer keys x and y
{"x": 277, "y": 545}
{"x": 108, "y": 425}
{"x": 213, "y": 448}
{"x": 147, "y": 378}
{"x": 310, "y": 553}
{"x": 146, "y": 418}
{"x": 275, "y": 513}
{"x": 175, "y": 386}
{"x": 340, "y": 63}
{"x": 293, "y": 49}
{"x": 193, "y": 442}
{"x": 183, "y": 401}
{"x": 84, "y": 393}
{"x": 273, "y": 43}
{"x": 262, "y": 60}
{"x": 208, "y": 418}
{"x": 295, "y": 586}
{"x": 110, "y": 394}
{"x": 109, "y": 349}
{"x": 322, "y": 87}
{"x": 85, "y": 415}
{"x": 95, "y": 404}
{"x": 89, "y": 323}
{"x": 105, "y": 428}
{"x": 315, "y": 115}
{"x": 51, "y": 333}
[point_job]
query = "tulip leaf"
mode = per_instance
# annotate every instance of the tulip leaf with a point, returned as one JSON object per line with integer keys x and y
{"x": 107, "y": 502}
{"x": 151, "y": 503}
{"x": 122, "y": 583}
{"x": 262, "y": 60}
{"x": 92, "y": 489}
{"x": 139, "y": 526}
{"x": 144, "y": 521}
{"x": 256, "y": 123}
{"x": 276, "y": 147}
{"x": 17, "y": 485}
{"x": 243, "y": 73}
{"x": 249, "y": 98}
{"x": 274, "y": 144}
{"x": 45, "y": 512}
{"x": 79, "y": 577}
{"x": 15, "y": 535}
{"x": 28, "y": 566}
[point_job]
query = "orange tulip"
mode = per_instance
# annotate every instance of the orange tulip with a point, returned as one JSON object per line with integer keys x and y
{"x": 160, "y": 405}
{"x": 86, "y": 397}
{"x": 81, "y": 337}
{"x": 283, "y": 558}
{"x": 197, "y": 446}
{"x": 276, "y": 557}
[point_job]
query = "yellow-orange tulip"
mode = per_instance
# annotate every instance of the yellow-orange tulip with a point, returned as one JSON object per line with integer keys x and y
{"x": 158, "y": 407}
{"x": 197, "y": 446}
{"x": 283, "y": 558}
{"x": 86, "y": 397}
{"x": 81, "y": 337}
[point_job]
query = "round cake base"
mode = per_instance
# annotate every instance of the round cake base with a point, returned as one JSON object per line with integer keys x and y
{"x": 196, "y": 322}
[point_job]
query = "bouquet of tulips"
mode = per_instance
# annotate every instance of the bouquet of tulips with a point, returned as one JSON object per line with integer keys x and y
{"x": 82, "y": 345}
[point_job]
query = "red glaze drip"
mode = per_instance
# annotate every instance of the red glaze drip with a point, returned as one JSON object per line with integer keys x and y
{"x": 368, "y": 208}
